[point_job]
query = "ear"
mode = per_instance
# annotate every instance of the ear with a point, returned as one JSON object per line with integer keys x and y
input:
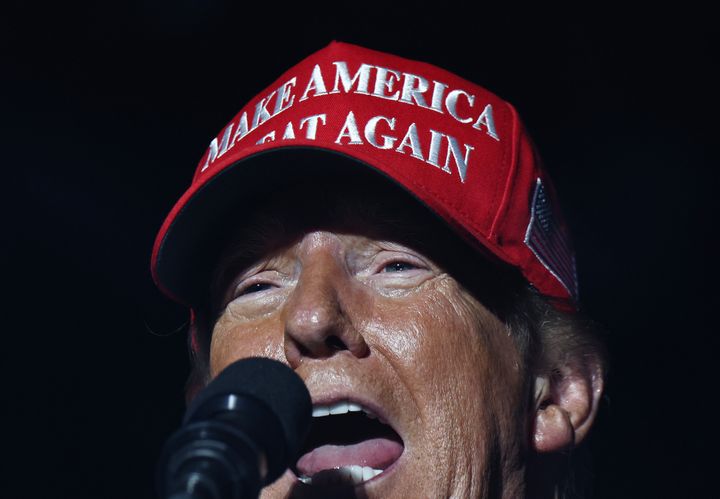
{"x": 565, "y": 404}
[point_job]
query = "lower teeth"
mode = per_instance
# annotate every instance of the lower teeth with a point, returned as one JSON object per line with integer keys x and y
{"x": 344, "y": 474}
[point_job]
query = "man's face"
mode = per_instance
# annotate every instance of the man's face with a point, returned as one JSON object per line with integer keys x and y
{"x": 368, "y": 314}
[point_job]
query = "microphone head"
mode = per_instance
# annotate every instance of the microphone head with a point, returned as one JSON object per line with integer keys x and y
{"x": 268, "y": 381}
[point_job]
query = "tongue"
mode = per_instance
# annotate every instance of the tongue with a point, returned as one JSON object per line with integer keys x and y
{"x": 378, "y": 453}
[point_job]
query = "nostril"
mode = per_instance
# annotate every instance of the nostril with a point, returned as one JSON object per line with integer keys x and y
{"x": 335, "y": 343}
{"x": 304, "y": 351}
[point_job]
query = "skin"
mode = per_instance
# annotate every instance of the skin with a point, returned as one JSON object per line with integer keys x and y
{"x": 360, "y": 312}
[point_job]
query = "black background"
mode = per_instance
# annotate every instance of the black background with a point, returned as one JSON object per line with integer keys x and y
{"x": 107, "y": 107}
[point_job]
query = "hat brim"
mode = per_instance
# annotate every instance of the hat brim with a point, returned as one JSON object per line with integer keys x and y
{"x": 194, "y": 233}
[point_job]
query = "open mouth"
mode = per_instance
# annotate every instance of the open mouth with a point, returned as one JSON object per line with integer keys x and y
{"x": 348, "y": 444}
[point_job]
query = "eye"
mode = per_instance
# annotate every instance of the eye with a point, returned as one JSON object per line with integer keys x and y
{"x": 397, "y": 271}
{"x": 253, "y": 288}
{"x": 399, "y": 266}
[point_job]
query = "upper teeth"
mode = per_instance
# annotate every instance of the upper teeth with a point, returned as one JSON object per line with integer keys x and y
{"x": 339, "y": 408}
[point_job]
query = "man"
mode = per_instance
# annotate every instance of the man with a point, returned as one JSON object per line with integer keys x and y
{"x": 384, "y": 228}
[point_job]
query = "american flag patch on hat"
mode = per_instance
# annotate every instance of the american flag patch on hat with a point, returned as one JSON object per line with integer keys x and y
{"x": 549, "y": 240}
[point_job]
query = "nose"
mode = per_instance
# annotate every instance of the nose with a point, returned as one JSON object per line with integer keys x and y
{"x": 318, "y": 322}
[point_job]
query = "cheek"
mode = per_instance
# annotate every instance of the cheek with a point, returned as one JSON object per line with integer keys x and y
{"x": 430, "y": 334}
{"x": 232, "y": 341}
{"x": 453, "y": 355}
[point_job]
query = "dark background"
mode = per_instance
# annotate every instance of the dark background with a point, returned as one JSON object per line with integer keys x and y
{"x": 107, "y": 107}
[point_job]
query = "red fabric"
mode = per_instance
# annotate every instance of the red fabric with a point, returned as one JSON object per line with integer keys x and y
{"x": 491, "y": 201}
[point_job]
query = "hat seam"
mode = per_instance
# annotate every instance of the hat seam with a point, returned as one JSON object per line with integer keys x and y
{"x": 514, "y": 147}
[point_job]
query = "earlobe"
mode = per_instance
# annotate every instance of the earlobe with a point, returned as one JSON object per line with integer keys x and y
{"x": 553, "y": 430}
{"x": 565, "y": 405}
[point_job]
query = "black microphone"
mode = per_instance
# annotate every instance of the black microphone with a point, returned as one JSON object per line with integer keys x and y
{"x": 239, "y": 434}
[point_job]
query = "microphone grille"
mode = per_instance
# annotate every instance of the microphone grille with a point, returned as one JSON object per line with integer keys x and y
{"x": 271, "y": 382}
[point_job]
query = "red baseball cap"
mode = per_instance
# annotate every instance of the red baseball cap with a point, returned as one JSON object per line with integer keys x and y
{"x": 457, "y": 148}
